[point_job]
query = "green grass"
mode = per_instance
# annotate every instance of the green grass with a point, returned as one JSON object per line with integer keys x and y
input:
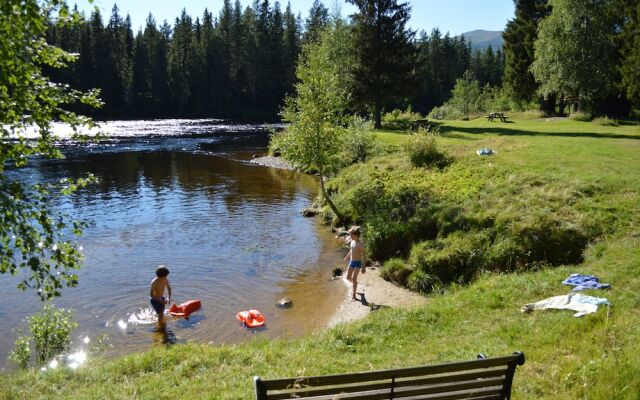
{"x": 584, "y": 170}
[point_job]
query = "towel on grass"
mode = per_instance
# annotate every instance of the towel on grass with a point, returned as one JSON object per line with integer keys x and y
{"x": 583, "y": 282}
{"x": 580, "y": 303}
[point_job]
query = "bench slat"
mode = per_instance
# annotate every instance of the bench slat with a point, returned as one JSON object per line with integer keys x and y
{"x": 489, "y": 378}
{"x": 481, "y": 397}
{"x": 399, "y": 392}
{"x": 413, "y": 394}
{"x": 388, "y": 374}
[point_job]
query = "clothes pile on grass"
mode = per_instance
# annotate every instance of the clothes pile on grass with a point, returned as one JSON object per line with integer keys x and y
{"x": 580, "y": 303}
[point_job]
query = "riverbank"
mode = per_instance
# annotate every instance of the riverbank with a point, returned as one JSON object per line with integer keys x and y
{"x": 591, "y": 357}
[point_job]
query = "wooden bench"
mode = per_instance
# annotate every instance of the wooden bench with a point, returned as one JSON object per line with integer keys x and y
{"x": 481, "y": 379}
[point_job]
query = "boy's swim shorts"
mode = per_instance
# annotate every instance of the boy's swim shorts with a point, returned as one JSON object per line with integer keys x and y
{"x": 158, "y": 306}
{"x": 355, "y": 264}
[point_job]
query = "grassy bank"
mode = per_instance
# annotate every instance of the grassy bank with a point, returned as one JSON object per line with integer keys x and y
{"x": 584, "y": 175}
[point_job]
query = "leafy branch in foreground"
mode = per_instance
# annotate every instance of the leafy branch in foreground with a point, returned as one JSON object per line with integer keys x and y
{"x": 33, "y": 237}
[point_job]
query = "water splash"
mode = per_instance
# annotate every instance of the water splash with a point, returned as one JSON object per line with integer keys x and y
{"x": 122, "y": 325}
{"x": 145, "y": 316}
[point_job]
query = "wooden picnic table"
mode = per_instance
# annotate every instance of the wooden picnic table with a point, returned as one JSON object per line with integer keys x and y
{"x": 495, "y": 115}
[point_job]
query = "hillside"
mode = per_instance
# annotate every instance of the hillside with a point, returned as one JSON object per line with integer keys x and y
{"x": 480, "y": 39}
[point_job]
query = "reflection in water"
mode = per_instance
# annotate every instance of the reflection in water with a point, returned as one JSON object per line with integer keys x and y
{"x": 163, "y": 336}
{"x": 230, "y": 233}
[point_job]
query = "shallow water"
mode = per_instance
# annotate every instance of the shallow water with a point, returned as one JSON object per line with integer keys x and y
{"x": 180, "y": 193}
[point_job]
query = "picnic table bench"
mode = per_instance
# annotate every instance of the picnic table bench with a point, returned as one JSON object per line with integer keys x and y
{"x": 495, "y": 115}
{"x": 481, "y": 379}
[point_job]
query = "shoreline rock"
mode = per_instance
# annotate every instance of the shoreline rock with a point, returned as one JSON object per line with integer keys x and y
{"x": 271, "y": 161}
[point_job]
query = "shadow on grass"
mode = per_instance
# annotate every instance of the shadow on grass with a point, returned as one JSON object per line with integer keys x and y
{"x": 515, "y": 132}
{"x": 405, "y": 127}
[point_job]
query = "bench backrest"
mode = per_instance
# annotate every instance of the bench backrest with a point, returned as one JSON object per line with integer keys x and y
{"x": 484, "y": 378}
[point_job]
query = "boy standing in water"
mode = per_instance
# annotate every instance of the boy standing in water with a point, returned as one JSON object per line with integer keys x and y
{"x": 357, "y": 259}
{"x": 156, "y": 293}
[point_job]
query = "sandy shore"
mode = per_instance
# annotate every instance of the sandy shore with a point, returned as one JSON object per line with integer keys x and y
{"x": 373, "y": 293}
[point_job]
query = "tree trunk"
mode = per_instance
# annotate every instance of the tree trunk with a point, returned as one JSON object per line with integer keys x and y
{"x": 327, "y": 198}
{"x": 377, "y": 116}
{"x": 548, "y": 104}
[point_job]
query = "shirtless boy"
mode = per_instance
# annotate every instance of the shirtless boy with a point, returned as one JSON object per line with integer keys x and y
{"x": 357, "y": 259}
{"x": 156, "y": 293}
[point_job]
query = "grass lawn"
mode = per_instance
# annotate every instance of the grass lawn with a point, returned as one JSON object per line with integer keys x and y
{"x": 593, "y": 357}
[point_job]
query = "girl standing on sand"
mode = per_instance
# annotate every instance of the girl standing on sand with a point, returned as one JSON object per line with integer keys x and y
{"x": 357, "y": 259}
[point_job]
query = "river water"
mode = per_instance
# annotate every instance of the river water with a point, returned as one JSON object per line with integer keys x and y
{"x": 181, "y": 193}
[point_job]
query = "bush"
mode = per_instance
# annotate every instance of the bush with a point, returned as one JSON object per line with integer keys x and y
{"x": 359, "y": 141}
{"x": 51, "y": 330}
{"x": 581, "y": 116}
{"x": 398, "y": 119}
{"x": 445, "y": 111}
{"x": 468, "y": 99}
{"x": 22, "y": 352}
{"x": 423, "y": 151}
{"x": 422, "y": 282}
{"x": 395, "y": 270}
{"x": 606, "y": 121}
{"x": 455, "y": 258}
{"x": 537, "y": 239}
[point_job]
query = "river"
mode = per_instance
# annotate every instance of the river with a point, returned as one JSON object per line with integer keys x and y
{"x": 181, "y": 193}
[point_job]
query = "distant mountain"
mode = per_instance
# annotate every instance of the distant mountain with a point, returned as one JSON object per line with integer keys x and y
{"x": 480, "y": 39}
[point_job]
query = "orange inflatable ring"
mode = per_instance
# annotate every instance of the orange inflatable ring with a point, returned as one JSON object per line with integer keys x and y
{"x": 185, "y": 309}
{"x": 251, "y": 318}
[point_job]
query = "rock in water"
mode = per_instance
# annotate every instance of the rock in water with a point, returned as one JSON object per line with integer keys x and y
{"x": 285, "y": 302}
{"x": 309, "y": 212}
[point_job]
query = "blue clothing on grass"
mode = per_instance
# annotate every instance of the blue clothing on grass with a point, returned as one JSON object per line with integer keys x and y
{"x": 584, "y": 282}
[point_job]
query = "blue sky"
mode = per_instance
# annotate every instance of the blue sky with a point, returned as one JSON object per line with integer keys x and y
{"x": 454, "y": 16}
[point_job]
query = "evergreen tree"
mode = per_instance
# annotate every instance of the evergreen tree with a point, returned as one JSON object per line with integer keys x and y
{"x": 386, "y": 55}
{"x": 117, "y": 68}
{"x": 180, "y": 63}
{"x": 291, "y": 48}
{"x": 442, "y": 60}
{"x": 519, "y": 36}
{"x": 140, "y": 81}
{"x": 316, "y": 21}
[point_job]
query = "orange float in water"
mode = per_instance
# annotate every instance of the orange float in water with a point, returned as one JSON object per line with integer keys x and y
{"x": 251, "y": 318}
{"x": 185, "y": 309}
